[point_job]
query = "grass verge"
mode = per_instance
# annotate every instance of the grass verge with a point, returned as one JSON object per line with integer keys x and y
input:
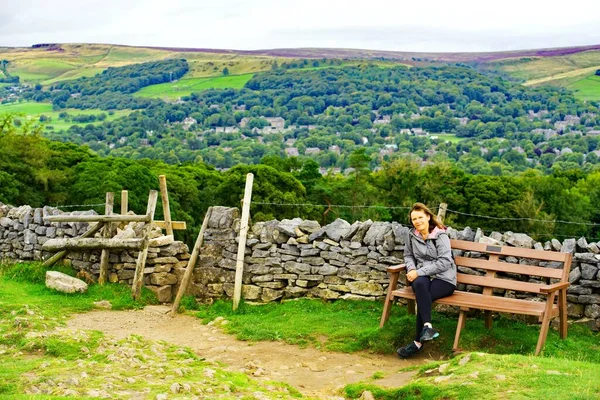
{"x": 492, "y": 376}
{"x": 349, "y": 326}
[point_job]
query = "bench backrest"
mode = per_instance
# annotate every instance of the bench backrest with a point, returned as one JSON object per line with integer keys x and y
{"x": 486, "y": 261}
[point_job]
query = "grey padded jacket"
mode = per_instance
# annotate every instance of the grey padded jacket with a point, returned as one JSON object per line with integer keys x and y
{"x": 431, "y": 257}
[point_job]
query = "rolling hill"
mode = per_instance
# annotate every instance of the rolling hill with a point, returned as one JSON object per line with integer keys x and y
{"x": 46, "y": 64}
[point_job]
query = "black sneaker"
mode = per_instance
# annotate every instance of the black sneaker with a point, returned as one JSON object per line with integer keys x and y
{"x": 408, "y": 350}
{"x": 428, "y": 334}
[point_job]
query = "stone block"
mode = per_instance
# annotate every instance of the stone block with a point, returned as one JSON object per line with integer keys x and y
{"x": 365, "y": 288}
{"x": 269, "y": 295}
{"x": 64, "y": 283}
{"x": 163, "y": 278}
{"x": 251, "y": 292}
{"x": 164, "y": 294}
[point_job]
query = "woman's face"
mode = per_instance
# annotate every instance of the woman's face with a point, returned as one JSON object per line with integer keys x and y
{"x": 420, "y": 220}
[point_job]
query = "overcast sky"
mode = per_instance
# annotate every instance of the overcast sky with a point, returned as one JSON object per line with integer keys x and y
{"x": 400, "y": 25}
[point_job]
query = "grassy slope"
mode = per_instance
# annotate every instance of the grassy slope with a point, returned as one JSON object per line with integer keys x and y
{"x": 186, "y": 86}
{"x": 35, "y": 110}
{"x": 587, "y": 88}
{"x": 76, "y": 60}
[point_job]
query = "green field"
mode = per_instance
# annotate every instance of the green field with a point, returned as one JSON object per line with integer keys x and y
{"x": 185, "y": 87}
{"x": 27, "y": 108}
{"x": 587, "y": 88}
{"x": 447, "y": 137}
{"x": 35, "y": 110}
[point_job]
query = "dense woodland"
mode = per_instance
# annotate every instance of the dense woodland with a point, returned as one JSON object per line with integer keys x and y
{"x": 36, "y": 171}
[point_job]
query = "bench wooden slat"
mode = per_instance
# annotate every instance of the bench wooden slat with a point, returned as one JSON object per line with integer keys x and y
{"x": 509, "y": 251}
{"x": 508, "y": 267}
{"x": 483, "y": 302}
{"x": 499, "y": 283}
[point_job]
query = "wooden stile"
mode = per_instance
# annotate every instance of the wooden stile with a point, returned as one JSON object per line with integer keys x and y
{"x": 165, "y": 203}
{"x": 124, "y": 202}
{"x": 107, "y": 233}
{"x": 89, "y": 233}
{"x": 97, "y": 218}
{"x": 138, "y": 278}
{"x": 191, "y": 263}
{"x": 91, "y": 244}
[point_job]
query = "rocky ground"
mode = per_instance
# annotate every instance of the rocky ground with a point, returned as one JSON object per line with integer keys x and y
{"x": 315, "y": 373}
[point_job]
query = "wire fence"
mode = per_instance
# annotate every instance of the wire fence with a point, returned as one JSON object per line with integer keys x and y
{"x": 61, "y": 206}
{"x": 450, "y": 211}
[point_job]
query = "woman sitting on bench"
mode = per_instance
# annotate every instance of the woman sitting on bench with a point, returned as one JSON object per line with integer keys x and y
{"x": 430, "y": 270}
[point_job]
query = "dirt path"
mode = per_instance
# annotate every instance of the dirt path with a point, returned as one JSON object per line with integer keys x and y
{"x": 313, "y": 372}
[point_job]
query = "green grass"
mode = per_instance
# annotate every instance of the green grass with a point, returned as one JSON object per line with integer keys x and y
{"x": 353, "y": 325}
{"x": 185, "y": 87}
{"x": 587, "y": 88}
{"x": 447, "y": 137}
{"x": 27, "y": 108}
{"x": 567, "y": 368}
{"x": 74, "y": 74}
{"x": 35, "y": 110}
{"x": 489, "y": 376}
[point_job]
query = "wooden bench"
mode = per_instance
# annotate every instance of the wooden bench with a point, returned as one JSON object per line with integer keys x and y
{"x": 488, "y": 278}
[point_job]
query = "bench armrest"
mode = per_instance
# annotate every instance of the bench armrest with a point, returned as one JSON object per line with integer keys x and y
{"x": 396, "y": 268}
{"x": 554, "y": 287}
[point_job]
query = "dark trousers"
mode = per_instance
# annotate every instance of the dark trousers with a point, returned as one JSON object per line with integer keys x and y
{"x": 426, "y": 292}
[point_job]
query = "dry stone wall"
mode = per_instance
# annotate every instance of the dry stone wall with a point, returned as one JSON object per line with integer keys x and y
{"x": 283, "y": 259}
{"x": 295, "y": 258}
{"x": 23, "y": 231}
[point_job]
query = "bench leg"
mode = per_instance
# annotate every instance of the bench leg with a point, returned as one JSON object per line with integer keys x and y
{"x": 562, "y": 310}
{"x": 545, "y": 324}
{"x": 389, "y": 299}
{"x": 411, "y": 307}
{"x": 488, "y": 319}
{"x": 462, "y": 319}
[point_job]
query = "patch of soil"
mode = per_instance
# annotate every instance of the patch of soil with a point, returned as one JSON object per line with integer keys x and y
{"x": 315, "y": 373}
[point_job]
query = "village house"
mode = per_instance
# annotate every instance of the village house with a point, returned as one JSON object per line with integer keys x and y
{"x": 406, "y": 131}
{"x": 312, "y": 150}
{"x": 385, "y": 152}
{"x": 335, "y": 149}
{"x": 548, "y": 133}
{"x": 226, "y": 129}
{"x": 384, "y": 120}
{"x": 419, "y": 132}
{"x": 292, "y": 152}
{"x": 188, "y": 122}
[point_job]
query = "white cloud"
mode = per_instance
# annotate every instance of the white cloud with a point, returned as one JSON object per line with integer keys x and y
{"x": 260, "y": 24}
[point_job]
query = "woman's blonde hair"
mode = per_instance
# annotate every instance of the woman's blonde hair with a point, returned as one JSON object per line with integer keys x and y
{"x": 433, "y": 221}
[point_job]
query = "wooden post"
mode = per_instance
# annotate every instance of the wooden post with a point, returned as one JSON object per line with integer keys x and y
{"x": 124, "y": 202}
{"x": 191, "y": 263}
{"x": 239, "y": 266}
{"x": 89, "y": 233}
{"x": 108, "y": 209}
{"x": 92, "y": 244}
{"x": 442, "y": 212}
{"x": 138, "y": 278}
{"x": 165, "y": 203}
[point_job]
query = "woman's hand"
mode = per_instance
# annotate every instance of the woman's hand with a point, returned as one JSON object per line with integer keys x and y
{"x": 412, "y": 275}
